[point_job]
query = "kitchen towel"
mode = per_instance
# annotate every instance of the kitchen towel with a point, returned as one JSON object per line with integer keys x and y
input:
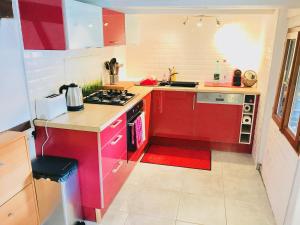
{"x": 143, "y": 126}
{"x": 138, "y": 131}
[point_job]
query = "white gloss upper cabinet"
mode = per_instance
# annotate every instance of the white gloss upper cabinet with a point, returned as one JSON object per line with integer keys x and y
{"x": 83, "y": 25}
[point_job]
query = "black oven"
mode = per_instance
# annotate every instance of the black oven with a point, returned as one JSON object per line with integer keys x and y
{"x": 132, "y": 115}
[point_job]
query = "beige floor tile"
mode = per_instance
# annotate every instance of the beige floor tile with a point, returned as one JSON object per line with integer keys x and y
{"x": 248, "y": 189}
{"x": 167, "y": 178}
{"x": 154, "y": 202}
{"x": 235, "y": 158}
{"x": 239, "y": 212}
{"x": 137, "y": 219}
{"x": 114, "y": 218}
{"x": 158, "y": 195}
{"x": 203, "y": 183}
{"x": 202, "y": 210}
{"x": 185, "y": 223}
{"x": 121, "y": 201}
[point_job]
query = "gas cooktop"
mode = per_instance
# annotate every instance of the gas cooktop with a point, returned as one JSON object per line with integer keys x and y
{"x": 109, "y": 97}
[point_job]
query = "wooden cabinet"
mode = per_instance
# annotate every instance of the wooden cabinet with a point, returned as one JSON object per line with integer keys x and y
{"x": 17, "y": 195}
{"x": 14, "y": 162}
{"x": 173, "y": 114}
{"x": 21, "y": 209}
{"x": 113, "y": 27}
{"x": 60, "y": 25}
{"x": 42, "y": 24}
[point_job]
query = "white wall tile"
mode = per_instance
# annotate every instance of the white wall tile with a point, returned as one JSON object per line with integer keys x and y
{"x": 47, "y": 70}
{"x": 163, "y": 42}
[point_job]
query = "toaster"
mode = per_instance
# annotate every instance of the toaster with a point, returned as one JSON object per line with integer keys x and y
{"x": 49, "y": 107}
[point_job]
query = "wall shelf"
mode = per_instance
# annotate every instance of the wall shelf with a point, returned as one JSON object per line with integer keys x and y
{"x": 246, "y": 129}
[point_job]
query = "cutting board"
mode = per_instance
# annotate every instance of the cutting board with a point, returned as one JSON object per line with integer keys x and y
{"x": 122, "y": 85}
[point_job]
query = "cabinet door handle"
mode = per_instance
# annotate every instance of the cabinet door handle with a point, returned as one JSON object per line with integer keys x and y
{"x": 119, "y": 137}
{"x": 116, "y": 124}
{"x": 113, "y": 42}
{"x": 194, "y": 100}
{"x": 161, "y": 103}
{"x": 118, "y": 167}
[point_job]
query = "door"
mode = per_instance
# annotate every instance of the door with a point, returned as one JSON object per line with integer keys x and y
{"x": 217, "y": 122}
{"x": 172, "y": 114}
{"x": 113, "y": 27}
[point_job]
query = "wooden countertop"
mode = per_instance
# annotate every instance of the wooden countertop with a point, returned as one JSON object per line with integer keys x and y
{"x": 202, "y": 88}
{"x": 95, "y": 118}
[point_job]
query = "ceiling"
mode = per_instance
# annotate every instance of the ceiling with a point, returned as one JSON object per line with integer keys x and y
{"x": 184, "y": 6}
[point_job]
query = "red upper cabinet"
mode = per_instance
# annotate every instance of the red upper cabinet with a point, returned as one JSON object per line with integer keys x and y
{"x": 113, "y": 27}
{"x": 173, "y": 114}
{"x": 42, "y": 24}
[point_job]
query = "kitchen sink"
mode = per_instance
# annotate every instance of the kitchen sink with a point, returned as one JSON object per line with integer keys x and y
{"x": 179, "y": 84}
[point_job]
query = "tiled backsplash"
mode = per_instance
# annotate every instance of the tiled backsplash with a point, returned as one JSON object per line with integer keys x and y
{"x": 162, "y": 41}
{"x": 47, "y": 70}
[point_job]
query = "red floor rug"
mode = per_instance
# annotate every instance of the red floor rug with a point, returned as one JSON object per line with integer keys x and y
{"x": 178, "y": 156}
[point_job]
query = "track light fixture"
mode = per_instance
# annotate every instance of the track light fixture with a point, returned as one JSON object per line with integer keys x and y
{"x": 200, "y": 22}
{"x": 185, "y": 22}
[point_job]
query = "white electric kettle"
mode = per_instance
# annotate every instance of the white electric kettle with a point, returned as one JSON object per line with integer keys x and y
{"x": 73, "y": 96}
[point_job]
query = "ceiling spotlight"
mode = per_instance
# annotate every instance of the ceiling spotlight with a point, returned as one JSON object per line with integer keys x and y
{"x": 200, "y": 23}
{"x": 218, "y": 22}
{"x": 185, "y": 22}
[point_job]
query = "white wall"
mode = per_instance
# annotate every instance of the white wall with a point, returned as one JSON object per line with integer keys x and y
{"x": 293, "y": 212}
{"x": 13, "y": 96}
{"x": 48, "y": 70}
{"x": 163, "y": 41}
{"x": 279, "y": 160}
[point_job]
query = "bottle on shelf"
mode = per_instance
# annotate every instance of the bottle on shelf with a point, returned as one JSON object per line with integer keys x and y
{"x": 217, "y": 73}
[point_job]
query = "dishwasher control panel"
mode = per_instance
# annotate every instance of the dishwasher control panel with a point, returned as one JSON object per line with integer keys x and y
{"x": 220, "y": 98}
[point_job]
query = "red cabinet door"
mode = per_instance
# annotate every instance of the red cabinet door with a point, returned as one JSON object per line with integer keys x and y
{"x": 42, "y": 24}
{"x": 172, "y": 114}
{"x": 113, "y": 27}
{"x": 217, "y": 122}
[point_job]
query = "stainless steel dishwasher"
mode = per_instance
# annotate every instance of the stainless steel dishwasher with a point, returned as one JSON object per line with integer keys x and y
{"x": 220, "y": 98}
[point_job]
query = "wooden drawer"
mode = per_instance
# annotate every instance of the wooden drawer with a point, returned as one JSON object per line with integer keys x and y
{"x": 15, "y": 169}
{"x": 108, "y": 133}
{"x": 20, "y": 210}
{"x": 113, "y": 151}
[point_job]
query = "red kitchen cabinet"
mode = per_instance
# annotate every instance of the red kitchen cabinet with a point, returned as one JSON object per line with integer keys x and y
{"x": 113, "y": 27}
{"x": 97, "y": 188}
{"x": 114, "y": 167}
{"x": 42, "y": 24}
{"x": 217, "y": 122}
{"x": 173, "y": 114}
